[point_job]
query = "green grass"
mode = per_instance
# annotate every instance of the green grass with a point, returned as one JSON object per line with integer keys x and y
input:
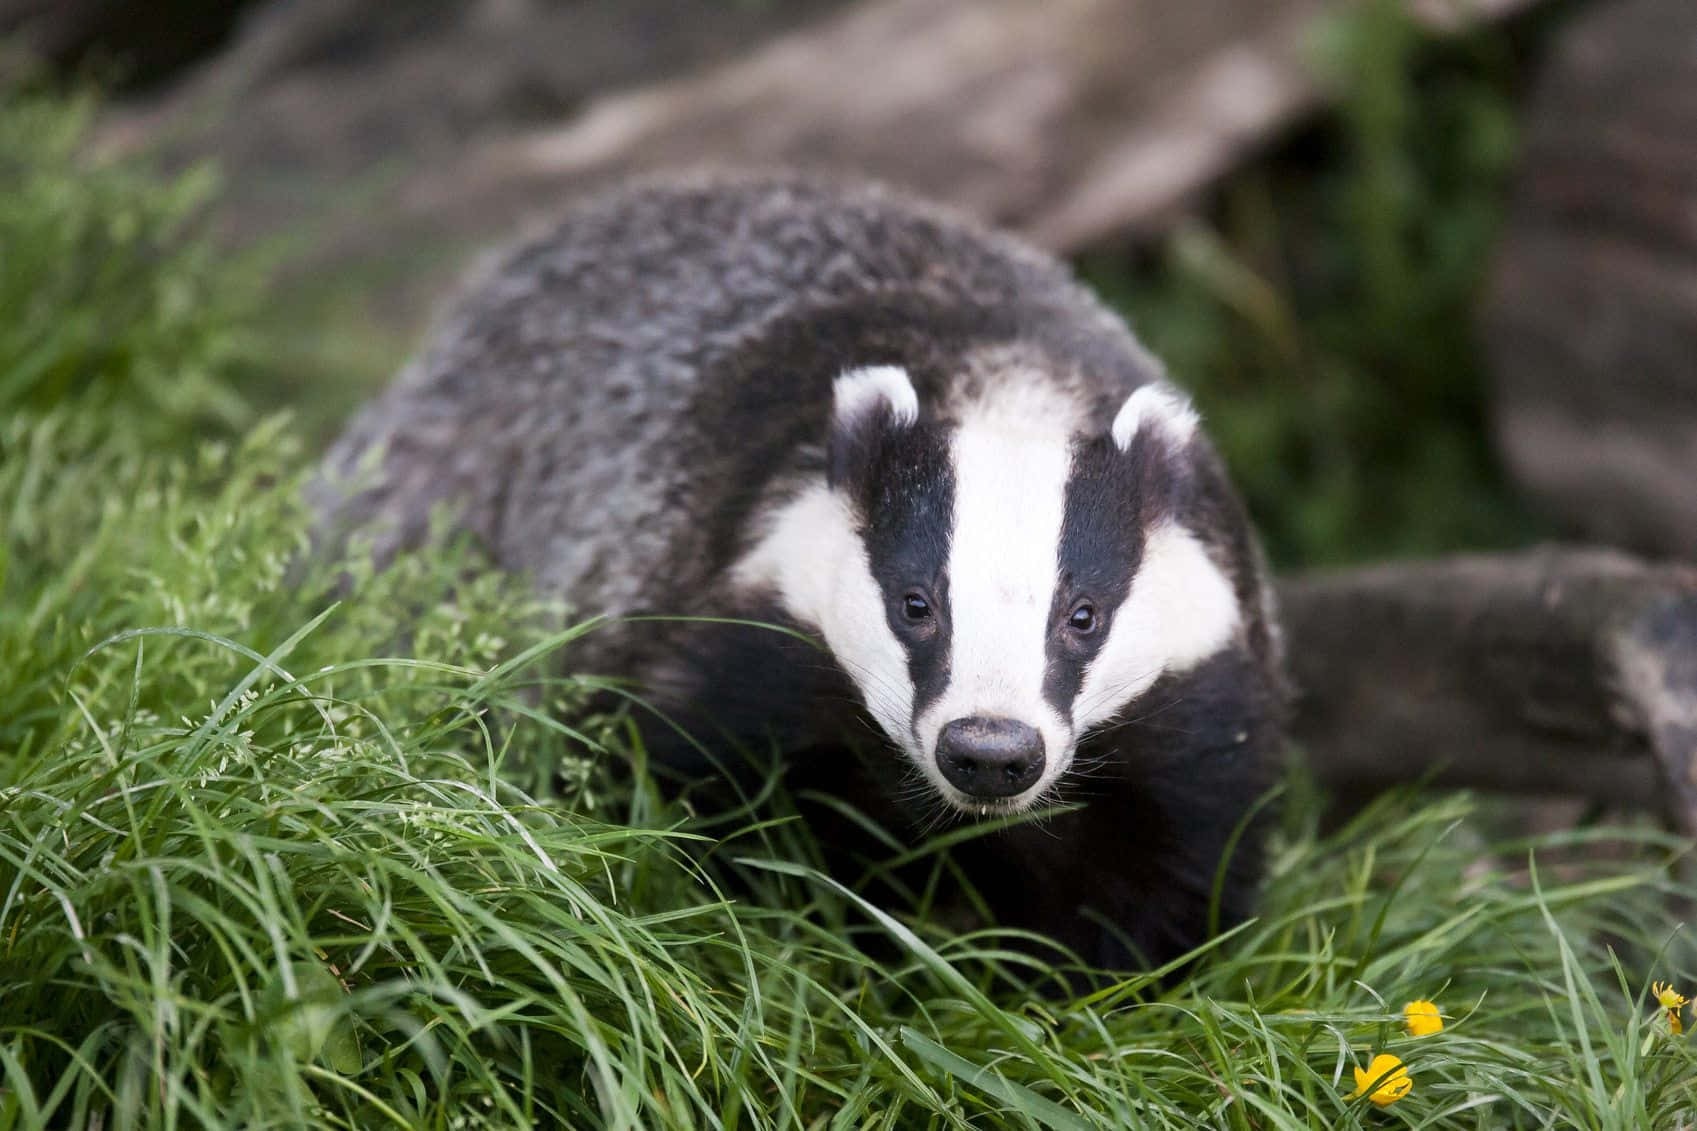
{"x": 105, "y": 301}
{"x": 247, "y": 879}
{"x": 274, "y": 857}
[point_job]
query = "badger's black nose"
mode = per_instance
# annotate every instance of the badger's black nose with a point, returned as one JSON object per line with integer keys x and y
{"x": 990, "y": 757}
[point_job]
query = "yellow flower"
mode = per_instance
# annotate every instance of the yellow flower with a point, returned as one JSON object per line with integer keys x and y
{"x": 1422, "y": 1018}
{"x": 1387, "y": 1076}
{"x": 1673, "y": 1003}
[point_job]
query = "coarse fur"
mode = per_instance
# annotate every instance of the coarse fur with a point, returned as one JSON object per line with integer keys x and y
{"x": 1012, "y": 567}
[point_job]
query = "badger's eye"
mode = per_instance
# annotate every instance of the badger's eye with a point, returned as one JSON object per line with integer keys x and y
{"x": 1083, "y": 618}
{"x": 915, "y": 607}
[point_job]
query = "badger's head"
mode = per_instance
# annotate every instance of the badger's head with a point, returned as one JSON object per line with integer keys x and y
{"x": 1000, "y": 578}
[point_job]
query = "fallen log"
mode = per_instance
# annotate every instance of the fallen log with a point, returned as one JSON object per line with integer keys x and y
{"x": 1553, "y": 672}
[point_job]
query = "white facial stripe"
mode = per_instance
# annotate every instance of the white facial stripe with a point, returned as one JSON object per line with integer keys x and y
{"x": 1163, "y": 407}
{"x": 1010, "y": 470}
{"x": 813, "y": 557}
{"x": 1011, "y": 459}
{"x": 859, "y": 390}
{"x": 1181, "y": 610}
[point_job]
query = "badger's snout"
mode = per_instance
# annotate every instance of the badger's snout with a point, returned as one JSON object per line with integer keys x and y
{"x": 988, "y": 757}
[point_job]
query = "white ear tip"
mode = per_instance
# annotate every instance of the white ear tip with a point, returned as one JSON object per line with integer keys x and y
{"x": 858, "y": 390}
{"x": 1159, "y": 405}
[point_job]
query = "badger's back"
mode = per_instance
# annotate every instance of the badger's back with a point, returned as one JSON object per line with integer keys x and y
{"x": 605, "y": 408}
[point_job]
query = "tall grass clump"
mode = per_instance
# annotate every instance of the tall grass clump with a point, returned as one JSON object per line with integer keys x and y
{"x": 284, "y": 842}
{"x": 105, "y": 302}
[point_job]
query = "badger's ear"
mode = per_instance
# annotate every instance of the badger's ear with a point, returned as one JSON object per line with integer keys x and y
{"x": 866, "y": 405}
{"x": 1156, "y": 409}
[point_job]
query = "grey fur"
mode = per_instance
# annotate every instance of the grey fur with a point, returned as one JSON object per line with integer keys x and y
{"x": 552, "y": 409}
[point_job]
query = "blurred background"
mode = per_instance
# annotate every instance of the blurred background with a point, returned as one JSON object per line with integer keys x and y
{"x": 1430, "y": 266}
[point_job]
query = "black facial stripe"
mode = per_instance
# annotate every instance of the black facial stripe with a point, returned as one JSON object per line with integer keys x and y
{"x": 907, "y": 505}
{"x": 1112, "y": 498}
{"x": 928, "y": 660}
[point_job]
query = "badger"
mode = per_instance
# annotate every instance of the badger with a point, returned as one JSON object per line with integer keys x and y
{"x": 861, "y": 482}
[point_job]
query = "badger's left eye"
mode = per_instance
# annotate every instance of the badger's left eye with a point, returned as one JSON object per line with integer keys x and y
{"x": 1083, "y": 618}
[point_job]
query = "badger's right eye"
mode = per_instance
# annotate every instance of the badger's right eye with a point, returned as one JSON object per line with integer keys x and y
{"x": 916, "y": 608}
